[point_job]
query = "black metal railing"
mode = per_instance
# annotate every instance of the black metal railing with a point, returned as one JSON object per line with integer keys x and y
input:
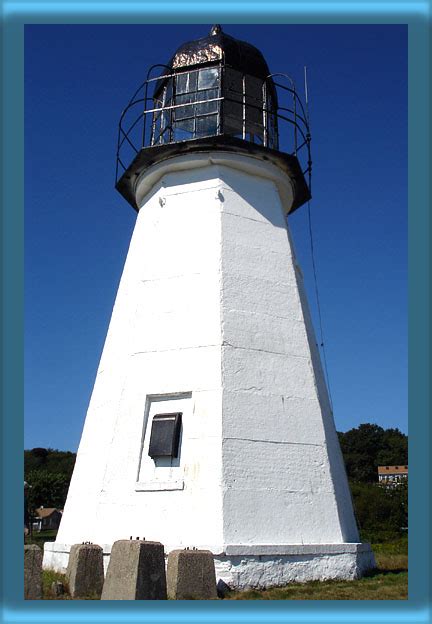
{"x": 202, "y": 102}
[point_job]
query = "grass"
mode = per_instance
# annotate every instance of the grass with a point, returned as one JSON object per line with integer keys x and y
{"x": 48, "y": 578}
{"x": 388, "y": 582}
{"x": 393, "y": 556}
{"x": 40, "y": 538}
{"x": 380, "y": 586}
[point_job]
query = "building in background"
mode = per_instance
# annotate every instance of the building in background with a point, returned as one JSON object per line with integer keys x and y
{"x": 46, "y": 518}
{"x": 392, "y": 475}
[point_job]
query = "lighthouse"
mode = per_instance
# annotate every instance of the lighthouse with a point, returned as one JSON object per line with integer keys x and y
{"x": 209, "y": 425}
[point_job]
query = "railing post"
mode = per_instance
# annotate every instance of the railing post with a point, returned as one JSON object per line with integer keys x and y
{"x": 145, "y": 115}
{"x": 244, "y": 108}
{"x": 295, "y": 121}
{"x": 118, "y": 153}
{"x": 265, "y": 120}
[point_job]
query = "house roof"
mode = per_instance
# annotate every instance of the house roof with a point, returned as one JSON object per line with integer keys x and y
{"x": 392, "y": 470}
{"x": 44, "y": 512}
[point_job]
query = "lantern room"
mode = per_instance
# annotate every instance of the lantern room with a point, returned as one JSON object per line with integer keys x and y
{"x": 215, "y": 93}
{"x": 218, "y": 85}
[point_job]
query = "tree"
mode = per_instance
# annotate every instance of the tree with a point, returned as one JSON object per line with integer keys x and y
{"x": 48, "y": 472}
{"x": 47, "y": 489}
{"x": 381, "y": 512}
{"x": 50, "y": 460}
{"x": 369, "y": 446}
{"x": 394, "y": 449}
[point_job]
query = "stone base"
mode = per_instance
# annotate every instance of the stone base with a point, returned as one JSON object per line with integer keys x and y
{"x": 85, "y": 571}
{"x": 262, "y": 566}
{"x": 136, "y": 571}
{"x": 191, "y": 575}
{"x": 56, "y": 556}
{"x": 32, "y": 572}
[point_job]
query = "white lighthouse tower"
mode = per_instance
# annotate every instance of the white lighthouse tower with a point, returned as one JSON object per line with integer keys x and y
{"x": 209, "y": 425}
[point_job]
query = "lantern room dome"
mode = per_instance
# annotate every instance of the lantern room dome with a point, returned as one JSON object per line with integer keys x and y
{"x": 216, "y": 93}
{"x": 218, "y": 46}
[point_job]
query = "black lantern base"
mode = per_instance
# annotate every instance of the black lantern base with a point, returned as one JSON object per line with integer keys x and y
{"x": 149, "y": 156}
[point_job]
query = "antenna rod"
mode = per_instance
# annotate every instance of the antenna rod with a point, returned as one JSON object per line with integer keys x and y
{"x": 308, "y": 136}
{"x": 306, "y": 93}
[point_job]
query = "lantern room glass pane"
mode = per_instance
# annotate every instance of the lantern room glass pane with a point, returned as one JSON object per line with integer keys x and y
{"x": 207, "y": 107}
{"x": 233, "y": 103}
{"x": 254, "y": 101}
{"x": 233, "y": 81}
{"x": 204, "y": 108}
{"x": 206, "y": 126}
{"x": 184, "y": 130}
{"x": 187, "y": 111}
{"x": 168, "y": 93}
{"x": 213, "y": 100}
{"x": 272, "y": 123}
{"x": 187, "y": 82}
{"x": 208, "y": 78}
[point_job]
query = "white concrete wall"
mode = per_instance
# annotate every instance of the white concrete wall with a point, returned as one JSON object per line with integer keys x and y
{"x": 209, "y": 317}
{"x": 164, "y": 338}
{"x": 243, "y": 572}
{"x": 284, "y": 479}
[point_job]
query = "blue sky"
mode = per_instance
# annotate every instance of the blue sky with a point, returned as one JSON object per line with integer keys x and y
{"x": 77, "y": 227}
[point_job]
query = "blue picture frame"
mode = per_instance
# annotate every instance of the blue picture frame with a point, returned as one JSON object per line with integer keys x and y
{"x": 417, "y": 16}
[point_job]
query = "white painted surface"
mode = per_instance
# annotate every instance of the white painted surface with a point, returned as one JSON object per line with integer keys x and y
{"x": 262, "y": 571}
{"x": 211, "y": 312}
{"x": 164, "y": 338}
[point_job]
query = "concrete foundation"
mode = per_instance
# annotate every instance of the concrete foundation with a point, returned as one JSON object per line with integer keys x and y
{"x": 191, "y": 575}
{"x": 136, "y": 571}
{"x": 260, "y": 567}
{"x": 85, "y": 571}
{"x": 264, "y": 568}
{"x": 32, "y": 572}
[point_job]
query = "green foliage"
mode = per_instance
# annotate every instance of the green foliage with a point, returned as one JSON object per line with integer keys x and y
{"x": 378, "y": 585}
{"x": 40, "y": 538}
{"x": 48, "y": 578}
{"x": 382, "y": 512}
{"x": 391, "y": 548}
{"x": 48, "y": 489}
{"x": 50, "y": 460}
{"x": 49, "y": 472}
{"x": 369, "y": 446}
